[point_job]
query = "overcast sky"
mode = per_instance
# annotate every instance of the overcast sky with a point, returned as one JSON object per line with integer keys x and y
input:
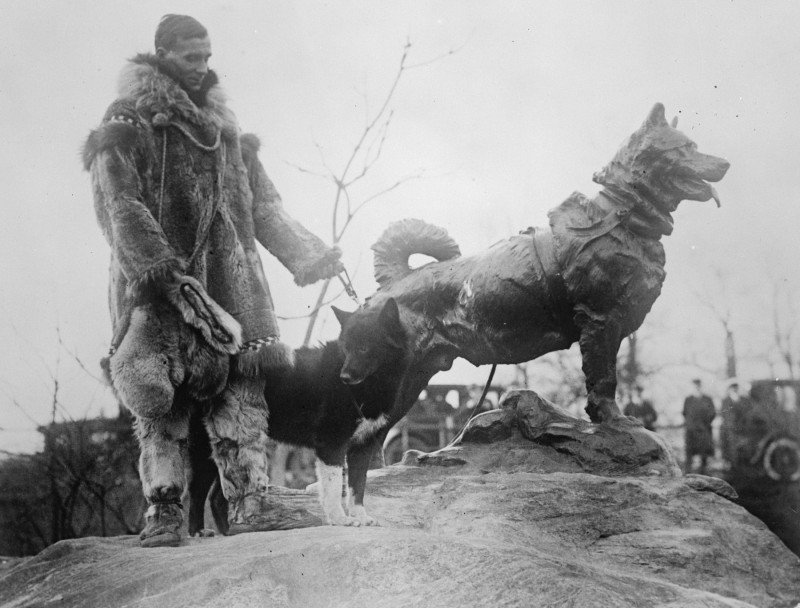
{"x": 535, "y": 97}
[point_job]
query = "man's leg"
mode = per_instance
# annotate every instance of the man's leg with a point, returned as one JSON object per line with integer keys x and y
{"x": 145, "y": 369}
{"x": 237, "y": 429}
{"x": 162, "y": 468}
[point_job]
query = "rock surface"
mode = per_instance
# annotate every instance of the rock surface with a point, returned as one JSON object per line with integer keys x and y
{"x": 530, "y": 508}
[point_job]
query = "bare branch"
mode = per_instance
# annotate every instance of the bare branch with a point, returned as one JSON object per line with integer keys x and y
{"x": 77, "y": 359}
{"x": 307, "y": 171}
{"x": 367, "y": 150}
{"x": 445, "y": 55}
{"x": 18, "y": 405}
{"x": 316, "y": 308}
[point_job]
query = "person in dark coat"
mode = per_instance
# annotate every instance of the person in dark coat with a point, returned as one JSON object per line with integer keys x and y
{"x": 735, "y": 412}
{"x": 640, "y": 408}
{"x": 698, "y": 413}
{"x": 182, "y": 199}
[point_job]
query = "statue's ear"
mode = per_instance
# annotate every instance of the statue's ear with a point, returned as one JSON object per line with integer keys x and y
{"x": 341, "y": 315}
{"x": 390, "y": 314}
{"x": 389, "y": 320}
{"x": 657, "y": 116}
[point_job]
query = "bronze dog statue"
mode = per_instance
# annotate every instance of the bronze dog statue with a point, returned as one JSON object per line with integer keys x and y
{"x": 591, "y": 277}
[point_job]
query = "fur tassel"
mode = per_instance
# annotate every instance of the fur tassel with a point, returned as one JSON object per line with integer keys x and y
{"x": 105, "y": 367}
{"x": 272, "y": 357}
{"x": 250, "y": 145}
{"x": 221, "y": 330}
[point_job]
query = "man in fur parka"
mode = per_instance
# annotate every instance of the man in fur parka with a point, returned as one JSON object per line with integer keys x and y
{"x": 182, "y": 199}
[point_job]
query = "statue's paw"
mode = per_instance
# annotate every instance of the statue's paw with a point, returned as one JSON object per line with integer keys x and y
{"x": 623, "y": 422}
{"x": 703, "y": 483}
{"x": 631, "y": 421}
{"x": 204, "y": 533}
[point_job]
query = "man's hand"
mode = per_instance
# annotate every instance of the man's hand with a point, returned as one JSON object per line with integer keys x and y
{"x": 199, "y": 310}
{"x": 326, "y": 267}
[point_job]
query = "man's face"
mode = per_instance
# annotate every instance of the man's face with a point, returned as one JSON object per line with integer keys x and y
{"x": 189, "y": 58}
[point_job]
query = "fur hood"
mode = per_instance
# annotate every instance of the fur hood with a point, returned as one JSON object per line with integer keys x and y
{"x": 154, "y": 85}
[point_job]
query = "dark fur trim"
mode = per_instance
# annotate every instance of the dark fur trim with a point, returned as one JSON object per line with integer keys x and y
{"x": 119, "y": 135}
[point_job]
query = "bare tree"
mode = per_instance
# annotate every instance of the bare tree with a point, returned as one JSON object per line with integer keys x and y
{"x": 362, "y": 158}
{"x": 785, "y": 326}
{"x": 84, "y": 482}
{"x": 717, "y": 299}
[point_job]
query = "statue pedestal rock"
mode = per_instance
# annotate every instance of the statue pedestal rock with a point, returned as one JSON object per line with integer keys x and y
{"x": 531, "y": 507}
{"x": 620, "y": 447}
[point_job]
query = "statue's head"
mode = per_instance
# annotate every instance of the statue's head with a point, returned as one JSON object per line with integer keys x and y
{"x": 658, "y": 167}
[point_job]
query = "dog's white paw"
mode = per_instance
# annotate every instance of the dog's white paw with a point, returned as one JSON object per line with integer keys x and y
{"x": 344, "y": 520}
{"x": 360, "y": 513}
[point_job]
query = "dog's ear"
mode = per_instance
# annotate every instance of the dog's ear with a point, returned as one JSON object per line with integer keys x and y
{"x": 656, "y": 116}
{"x": 674, "y": 123}
{"x": 341, "y": 315}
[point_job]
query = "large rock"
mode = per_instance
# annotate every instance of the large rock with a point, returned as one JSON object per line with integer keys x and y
{"x": 530, "y": 508}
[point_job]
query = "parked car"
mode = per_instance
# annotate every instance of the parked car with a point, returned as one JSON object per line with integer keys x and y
{"x": 439, "y": 414}
{"x": 763, "y": 454}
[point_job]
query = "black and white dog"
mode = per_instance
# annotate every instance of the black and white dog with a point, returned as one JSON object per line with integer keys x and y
{"x": 310, "y": 406}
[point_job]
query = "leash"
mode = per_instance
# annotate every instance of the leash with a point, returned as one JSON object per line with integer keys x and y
{"x": 478, "y": 405}
{"x": 483, "y": 395}
{"x": 344, "y": 278}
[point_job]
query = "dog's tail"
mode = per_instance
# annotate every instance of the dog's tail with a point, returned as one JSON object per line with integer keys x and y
{"x": 405, "y": 238}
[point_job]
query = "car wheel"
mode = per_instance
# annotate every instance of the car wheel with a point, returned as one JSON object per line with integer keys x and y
{"x": 781, "y": 460}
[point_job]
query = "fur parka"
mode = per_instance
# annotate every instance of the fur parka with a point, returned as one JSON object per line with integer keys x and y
{"x": 182, "y": 199}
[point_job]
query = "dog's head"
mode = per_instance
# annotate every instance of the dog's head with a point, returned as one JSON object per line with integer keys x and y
{"x": 658, "y": 167}
{"x": 370, "y": 338}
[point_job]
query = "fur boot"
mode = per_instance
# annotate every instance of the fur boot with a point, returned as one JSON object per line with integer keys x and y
{"x": 162, "y": 468}
{"x": 237, "y": 429}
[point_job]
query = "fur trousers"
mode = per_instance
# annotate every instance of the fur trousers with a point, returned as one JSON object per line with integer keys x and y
{"x": 164, "y": 372}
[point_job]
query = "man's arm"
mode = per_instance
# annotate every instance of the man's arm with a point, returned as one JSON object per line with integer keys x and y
{"x": 140, "y": 246}
{"x": 304, "y": 254}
